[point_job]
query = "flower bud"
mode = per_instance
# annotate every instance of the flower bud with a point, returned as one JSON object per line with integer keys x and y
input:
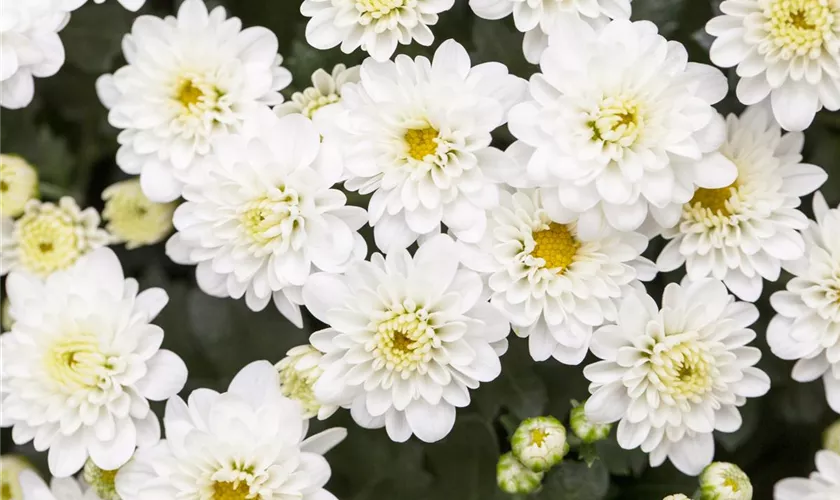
{"x": 587, "y": 431}
{"x": 18, "y": 184}
{"x": 514, "y": 478}
{"x": 724, "y": 481}
{"x": 134, "y": 219}
{"x": 299, "y": 371}
{"x": 540, "y": 443}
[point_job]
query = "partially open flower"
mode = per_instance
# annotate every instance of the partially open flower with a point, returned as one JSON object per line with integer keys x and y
{"x": 540, "y": 443}
{"x": 514, "y": 478}
{"x": 724, "y": 481}
{"x": 133, "y": 218}
{"x": 587, "y": 431}
{"x": 18, "y": 184}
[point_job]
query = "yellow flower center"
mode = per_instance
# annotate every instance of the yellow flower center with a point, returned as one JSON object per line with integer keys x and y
{"x": 732, "y": 484}
{"x": 188, "y": 93}
{"x": 684, "y": 371}
{"x": 133, "y": 218}
{"x": 617, "y": 120}
{"x": 404, "y": 340}
{"x": 196, "y": 97}
{"x": 4, "y": 186}
{"x": 421, "y": 142}
{"x": 378, "y": 8}
{"x": 75, "y": 361}
{"x": 538, "y": 437}
{"x": 715, "y": 200}
{"x": 48, "y": 241}
{"x": 800, "y": 27}
{"x": 227, "y": 490}
{"x": 297, "y": 385}
{"x": 557, "y": 246}
{"x": 101, "y": 480}
{"x": 271, "y": 217}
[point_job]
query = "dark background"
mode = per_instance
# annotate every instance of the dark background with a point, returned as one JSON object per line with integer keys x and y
{"x": 64, "y": 132}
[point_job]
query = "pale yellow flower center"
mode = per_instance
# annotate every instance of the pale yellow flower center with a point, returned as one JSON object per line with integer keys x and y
{"x": 618, "y": 120}
{"x": 48, "y": 241}
{"x": 18, "y": 184}
{"x": 685, "y": 371}
{"x": 317, "y": 102}
{"x": 538, "y": 437}
{"x": 800, "y": 27}
{"x": 404, "y": 340}
{"x": 715, "y": 200}
{"x": 557, "y": 246}
{"x": 133, "y": 218}
{"x": 227, "y": 490}
{"x": 75, "y": 361}
{"x": 297, "y": 384}
{"x": 271, "y": 217}
{"x": 101, "y": 480}
{"x": 421, "y": 142}
{"x": 196, "y": 96}
{"x": 378, "y": 8}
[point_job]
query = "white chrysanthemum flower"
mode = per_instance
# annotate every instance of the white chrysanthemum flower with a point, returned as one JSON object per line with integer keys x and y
{"x": 537, "y": 18}
{"x": 675, "y": 375}
{"x": 265, "y": 216}
{"x": 131, "y": 217}
{"x": 725, "y": 481}
{"x": 416, "y": 134}
{"x": 31, "y": 47}
{"x": 132, "y": 5}
{"x": 553, "y": 286}
{"x": 539, "y": 443}
{"x": 787, "y": 49}
{"x": 583, "y": 428}
{"x": 189, "y": 81}
{"x": 374, "y": 25}
{"x": 322, "y": 95}
{"x": 746, "y": 231}
{"x": 18, "y": 185}
{"x": 299, "y": 371}
{"x": 246, "y": 443}
{"x": 824, "y": 484}
{"x": 82, "y": 362}
{"x": 622, "y": 124}
{"x": 807, "y": 326}
{"x": 831, "y": 437}
{"x": 514, "y": 478}
{"x": 408, "y": 338}
{"x": 49, "y": 237}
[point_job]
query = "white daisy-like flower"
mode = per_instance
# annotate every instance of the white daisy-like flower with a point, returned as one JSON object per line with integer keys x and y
{"x": 132, "y": 5}
{"x": 673, "y": 376}
{"x": 18, "y": 185}
{"x": 30, "y": 46}
{"x": 746, "y": 231}
{"x": 824, "y": 484}
{"x": 189, "y": 81}
{"x": 787, "y": 49}
{"x": 417, "y": 136}
{"x": 807, "y": 326}
{"x": 132, "y": 217}
{"x": 322, "y": 95}
{"x": 537, "y": 18}
{"x": 622, "y": 124}
{"x": 246, "y": 443}
{"x": 265, "y": 216}
{"x": 299, "y": 371}
{"x": 49, "y": 237}
{"x": 374, "y": 25}
{"x": 82, "y": 362}
{"x": 553, "y": 286}
{"x": 408, "y": 338}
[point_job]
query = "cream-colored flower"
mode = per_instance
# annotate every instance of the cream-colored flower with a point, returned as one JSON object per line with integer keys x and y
{"x": 299, "y": 371}
{"x": 133, "y": 218}
{"x": 18, "y": 185}
{"x": 49, "y": 237}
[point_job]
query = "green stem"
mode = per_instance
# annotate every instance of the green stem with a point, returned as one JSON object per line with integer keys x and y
{"x": 51, "y": 191}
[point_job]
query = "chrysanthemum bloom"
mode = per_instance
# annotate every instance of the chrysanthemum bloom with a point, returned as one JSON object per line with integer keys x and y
{"x": 807, "y": 326}
{"x": 31, "y": 46}
{"x": 324, "y": 92}
{"x": 553, "y": 286}
{"x": 265, "y": 216}
{"x": 49, "y": 237}
{"x": 583, "y": 428}
{"x": 18, "y": 185}
{"x": 746, "y": 231}
{"x": 408, "y": 338}
{"x": 417, "y": 136}
{"x": 134, "y": 219}
{"x": 787, "y": 49}
{"x": 622, "y": 124}
{"x": 82, "y": 362}
{"x": 374, "y": 25}
{"x": 724, "y": 481}
{"x": 189, "y": 81}
{"x": 824, "y": 484}
{"x": 299, "y": 371}
{"x": 132, "y": 5}
{"x": 514, "y": 478}
{"x": 673, "y": 376}
{"x": 539, "y": 443}
{"x": 831, "y": 437}
{"x": 246, "y": 443}
{"x": 536, "y": 18}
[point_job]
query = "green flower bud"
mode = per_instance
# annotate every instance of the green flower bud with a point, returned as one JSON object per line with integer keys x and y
{"x": 514, "y": 478}
{"x": 540, "y": 443}
{"x": 724, "y": 481}
{"x": 587, "y": 431}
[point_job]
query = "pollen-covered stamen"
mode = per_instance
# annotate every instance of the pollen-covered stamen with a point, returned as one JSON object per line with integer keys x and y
{"x": 421, "y": 142}
{"x": 230, "y": 490}
{"x": 557, "y": 246}
{"x": 404, "y": 339}
{"x": 196, "y": 96}
{"x": 682, "y": 371}
{"x": 799, "y": 27}
{"x": 48, "y": 241}
{"x": 272, "y": 218}
{"x": 714, "y": 201}
{"x": 375, "y": 9}
{"x": 617, "y": 120}
{"x": 76, "y": 361}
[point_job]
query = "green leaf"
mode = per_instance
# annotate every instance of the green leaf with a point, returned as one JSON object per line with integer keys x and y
{"x": 573, "y": 480}
{"x": 92, "y": 37}
{"x": 518, "y": 389}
